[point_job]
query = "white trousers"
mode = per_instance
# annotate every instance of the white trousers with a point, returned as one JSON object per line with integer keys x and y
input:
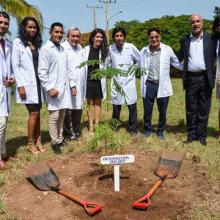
{"x": 56, "y": 120}
{"x": 3, "y": 125}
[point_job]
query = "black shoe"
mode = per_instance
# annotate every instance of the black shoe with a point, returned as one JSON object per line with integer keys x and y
{"x": 189, "y": 140}
{"x": 62, "y": 144}
{"x": 133, "y": 133}
{"x": 147, "y": 133}
{"x": 56, "y": 148}
{"x": 203, "y": 142}
{"x": 161, "y": 136}
{"x": 74, "y": 137}
{"x": 77, "y": 134}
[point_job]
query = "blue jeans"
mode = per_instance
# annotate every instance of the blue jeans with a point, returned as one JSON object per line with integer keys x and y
{"x": 148, "y": 102}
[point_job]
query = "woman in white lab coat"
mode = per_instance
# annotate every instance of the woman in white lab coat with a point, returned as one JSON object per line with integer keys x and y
{"x": 28, "y": 89}
{"x": 123, "y": 55}
{"x": 95, "y": 89}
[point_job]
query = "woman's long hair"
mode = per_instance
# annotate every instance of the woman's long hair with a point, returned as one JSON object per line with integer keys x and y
{"x": 37, "y": 40}
{"x": 216, "y": 23}
{"x": 104, "y": 47}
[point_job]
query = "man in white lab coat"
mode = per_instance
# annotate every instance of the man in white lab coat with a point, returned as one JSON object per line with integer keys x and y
{"x": 58, "y": 82}
{"x": 6, "y": 80}
{"x": 74, "y": 53}
{"x": 123, "y": 55}
{"x": 155, "y": 80}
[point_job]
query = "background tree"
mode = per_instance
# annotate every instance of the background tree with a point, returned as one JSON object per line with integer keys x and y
{"x": 84, "y": 39}
{"x": 173, "y": 28}
{"x": 216, "y": 11}
{"x": 20, "y": 9}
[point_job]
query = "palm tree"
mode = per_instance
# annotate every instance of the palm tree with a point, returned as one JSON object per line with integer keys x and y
{"x": 20, "y": 9}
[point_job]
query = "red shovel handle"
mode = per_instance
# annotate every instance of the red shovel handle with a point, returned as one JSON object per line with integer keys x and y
{"x": 144, "y": 202}
{"x": 91, "y": 207}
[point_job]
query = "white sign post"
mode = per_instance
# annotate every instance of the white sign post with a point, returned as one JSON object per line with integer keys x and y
{"x": 116, "y": 160}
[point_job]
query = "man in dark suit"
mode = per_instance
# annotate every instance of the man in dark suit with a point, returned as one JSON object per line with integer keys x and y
{"x": 216, "y": 36}
{"x": 197, "y": 54}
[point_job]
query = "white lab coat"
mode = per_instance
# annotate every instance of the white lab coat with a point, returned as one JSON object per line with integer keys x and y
{"x": 23, "y": 68}
{"x": 5, "y": 71}
{"x": 127, "y": 57}
{"x": 55, "y": 72}
{"x": 75, "y": 59}
{"x": 167, "y": 57}
{"x": 102, "y": 65}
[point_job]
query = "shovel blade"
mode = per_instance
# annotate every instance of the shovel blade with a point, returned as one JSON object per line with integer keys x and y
{"x": 43, "y": 177}
{"x": 169, "y": 164}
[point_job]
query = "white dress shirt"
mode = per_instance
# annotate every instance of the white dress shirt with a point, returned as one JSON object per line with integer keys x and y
{"x": 196, "y": 54}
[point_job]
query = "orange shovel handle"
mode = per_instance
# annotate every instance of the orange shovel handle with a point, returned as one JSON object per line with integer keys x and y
{"x": 154, "y": 188}
{"x": 144, "y": 202}
{"x": 91, "y": 208}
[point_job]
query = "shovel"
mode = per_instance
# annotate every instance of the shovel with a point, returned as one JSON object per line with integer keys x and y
{"x": 43, "y": 177}
{"x": 167, "y": 167}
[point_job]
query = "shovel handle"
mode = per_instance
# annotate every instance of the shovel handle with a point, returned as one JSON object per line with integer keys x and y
{"x": 155, "y": 187}
{"x": 144, "y": 202}
{"x": 91, "y": 208}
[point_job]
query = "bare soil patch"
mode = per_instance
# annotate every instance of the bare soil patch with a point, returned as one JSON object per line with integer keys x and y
{"x": 84, "y": 176}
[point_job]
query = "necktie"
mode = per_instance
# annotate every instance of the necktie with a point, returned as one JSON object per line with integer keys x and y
{"x": 2, "y": 43}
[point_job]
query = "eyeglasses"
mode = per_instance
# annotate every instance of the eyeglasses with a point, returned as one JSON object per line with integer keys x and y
{"x": 156, "y": 37}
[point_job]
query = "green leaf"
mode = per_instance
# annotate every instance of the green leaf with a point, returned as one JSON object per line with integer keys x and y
{"x": 20, "y": 9}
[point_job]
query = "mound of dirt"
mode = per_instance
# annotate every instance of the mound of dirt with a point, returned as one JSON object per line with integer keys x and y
{"x": 84, "y": 176}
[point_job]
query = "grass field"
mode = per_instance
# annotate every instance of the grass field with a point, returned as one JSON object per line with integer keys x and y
{"x": 208, "y": 157}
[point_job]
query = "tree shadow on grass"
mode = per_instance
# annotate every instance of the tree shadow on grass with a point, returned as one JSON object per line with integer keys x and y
{"x": 179, "y": 128}
{"x": 13, "y": 144}
{"x": 213, "y": 132}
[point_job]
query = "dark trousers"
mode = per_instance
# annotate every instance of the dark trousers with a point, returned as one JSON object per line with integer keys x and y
{"x": 72, "y": 122}
{"x": 148, "y": 101}
{"x": 132, "y": 121}
{"x": 198, "y": 102}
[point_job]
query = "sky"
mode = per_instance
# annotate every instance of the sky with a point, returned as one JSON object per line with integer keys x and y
{"x": 75, "y": 12}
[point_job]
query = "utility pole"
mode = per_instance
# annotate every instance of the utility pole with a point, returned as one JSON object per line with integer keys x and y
{"x": 106, "y": 16}
{"x": 94, "y": 7}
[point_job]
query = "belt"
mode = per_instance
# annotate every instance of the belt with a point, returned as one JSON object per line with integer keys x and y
{"x": 153, "y": 81}
{"x": 201, "y": 73}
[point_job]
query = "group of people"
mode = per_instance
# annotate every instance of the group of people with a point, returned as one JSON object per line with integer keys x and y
{"x": 51, "y": 72}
